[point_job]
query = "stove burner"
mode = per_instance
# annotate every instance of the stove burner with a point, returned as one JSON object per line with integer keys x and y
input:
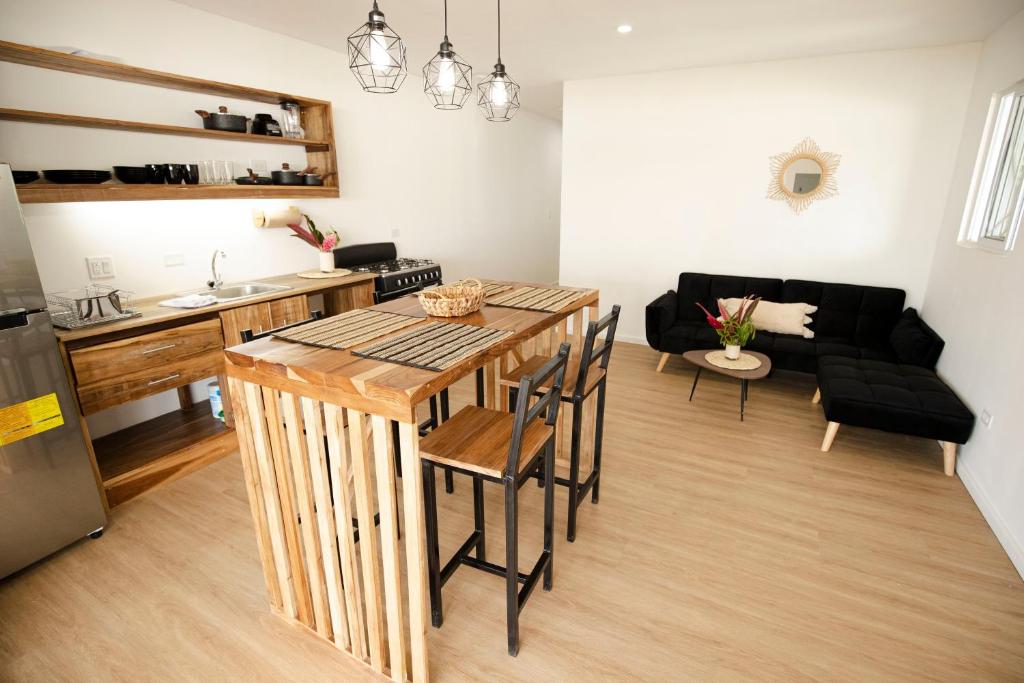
{"x": 395, "y": 265}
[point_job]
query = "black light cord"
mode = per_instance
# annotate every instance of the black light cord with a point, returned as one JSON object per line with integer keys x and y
{"x": 446, "y": 21}
{"x": 499, "y": 31}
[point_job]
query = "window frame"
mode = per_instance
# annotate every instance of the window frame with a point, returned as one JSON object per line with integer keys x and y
{"x": 995, "y": 144}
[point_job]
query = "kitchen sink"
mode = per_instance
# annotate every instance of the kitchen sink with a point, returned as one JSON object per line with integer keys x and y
{"x": 245, "y": 290}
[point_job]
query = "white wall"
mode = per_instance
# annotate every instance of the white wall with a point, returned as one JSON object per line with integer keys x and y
{"x": 974, "y": 302}
{"x": 480, "y": 198}
{"x": 668, "y": 172}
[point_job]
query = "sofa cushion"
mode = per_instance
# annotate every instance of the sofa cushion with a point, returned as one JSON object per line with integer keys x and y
{"x": 861, "y": 315}
{"x": 708, "y": 289}
{"x": 899, "y": 398}
{"x": 915, "y": 343}
{"x": 839, "y": 347}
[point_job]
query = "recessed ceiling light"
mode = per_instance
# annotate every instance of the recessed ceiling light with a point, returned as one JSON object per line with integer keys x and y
{"x": 624, "y": 28}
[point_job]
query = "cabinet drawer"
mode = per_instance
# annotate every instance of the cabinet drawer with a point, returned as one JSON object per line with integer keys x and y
{"x": 135, "y": 383}
{"x": 111, "y": 362}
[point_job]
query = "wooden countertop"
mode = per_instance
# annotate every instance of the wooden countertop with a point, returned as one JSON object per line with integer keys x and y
{"x": 378, "y": 387}
{"x": 155, "y": 314}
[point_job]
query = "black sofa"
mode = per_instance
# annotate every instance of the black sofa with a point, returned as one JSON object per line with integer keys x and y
{"x": 874, "y": 361}
{"x": 852, "y": 321}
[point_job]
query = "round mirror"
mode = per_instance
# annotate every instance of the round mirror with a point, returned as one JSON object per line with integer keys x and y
{"x": 802, "y": 176}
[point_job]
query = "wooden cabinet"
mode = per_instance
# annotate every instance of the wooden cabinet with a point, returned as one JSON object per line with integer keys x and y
{"x": 262, "y": 317}
{"x": 135, "y": 367}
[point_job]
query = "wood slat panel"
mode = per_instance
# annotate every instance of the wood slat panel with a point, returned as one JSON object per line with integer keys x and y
{"x": 302, "y": 480}
{"x": 415, "y": 549}
{"x": 383, "y": 458}
{"x": 256, "y": 421}
{"x": 312, "y": 415}
{"x": 367, "y": 537}
{"x": 344, "y": 511}
{"x": 257, "y": 503}
{"x": 278, "y": 447}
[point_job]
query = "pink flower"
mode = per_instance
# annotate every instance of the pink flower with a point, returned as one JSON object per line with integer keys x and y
{"x": 329, "y": 242}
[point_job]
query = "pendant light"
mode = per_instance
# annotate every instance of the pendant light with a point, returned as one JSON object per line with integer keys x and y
{"x": 499, "y": 94}
{"x": 447, "y": 80}
{"x": 376, "y": 55}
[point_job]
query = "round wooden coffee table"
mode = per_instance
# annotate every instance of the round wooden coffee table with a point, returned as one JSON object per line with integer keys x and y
{"x": 744, "y": 376}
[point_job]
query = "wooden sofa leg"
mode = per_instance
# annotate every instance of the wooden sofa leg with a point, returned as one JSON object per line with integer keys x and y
{"x": 949, "y": 458}
{"x": 664, "y": 359}
{"x": 817, "y": 396}
{"x": 830, "y": 435}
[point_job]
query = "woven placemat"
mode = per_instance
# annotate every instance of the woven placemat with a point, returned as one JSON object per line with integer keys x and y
{"x": 348, "y": 329}
{"x": 537, "y": 298}
{"x": 744, "y": 362}
{"x": 318, "y": 275}
{"x": 490, "y": 288}
{"x": 436, "y": 346}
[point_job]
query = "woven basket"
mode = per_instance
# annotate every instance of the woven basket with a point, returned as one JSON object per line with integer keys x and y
{"x": 452, "y": 301}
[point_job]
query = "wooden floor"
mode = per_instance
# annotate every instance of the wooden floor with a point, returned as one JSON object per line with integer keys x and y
{"x": 721, "y": 551}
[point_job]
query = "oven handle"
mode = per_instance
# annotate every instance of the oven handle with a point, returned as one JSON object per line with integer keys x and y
{"x": 380, "y": 297}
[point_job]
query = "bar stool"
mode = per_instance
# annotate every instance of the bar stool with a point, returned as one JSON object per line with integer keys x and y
{"x": 504, "y": 448}
{"x": 581, "y": 381}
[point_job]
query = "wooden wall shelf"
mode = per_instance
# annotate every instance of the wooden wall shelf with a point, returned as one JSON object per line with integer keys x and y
{"x": 86, "y": 66}
{"x": 317, "y": 120}
{"x": 42, "y": 193}
{"x": 27, "y": 116}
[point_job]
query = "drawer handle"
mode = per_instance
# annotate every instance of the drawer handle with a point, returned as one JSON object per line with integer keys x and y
{"x": 165, "y": 379}
{"x": 158, "y": 348}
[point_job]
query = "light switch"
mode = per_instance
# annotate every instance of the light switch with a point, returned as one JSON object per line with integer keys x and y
{"x": 171, "y": 260}
{"x": 100, "y": 267}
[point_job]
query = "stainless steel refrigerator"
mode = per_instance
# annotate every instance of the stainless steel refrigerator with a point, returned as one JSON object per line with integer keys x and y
{"x": 48, "y": 493}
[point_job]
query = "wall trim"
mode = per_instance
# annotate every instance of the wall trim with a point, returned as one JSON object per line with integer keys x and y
{"x": 1011, "y": 544}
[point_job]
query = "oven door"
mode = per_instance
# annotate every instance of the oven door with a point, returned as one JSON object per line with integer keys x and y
{"x": 381, "y": 297}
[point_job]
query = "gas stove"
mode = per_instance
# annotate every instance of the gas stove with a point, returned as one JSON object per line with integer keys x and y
{"x": 395, "y": 276}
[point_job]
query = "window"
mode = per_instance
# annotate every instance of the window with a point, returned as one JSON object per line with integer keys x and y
{"x": 996, "y": 203}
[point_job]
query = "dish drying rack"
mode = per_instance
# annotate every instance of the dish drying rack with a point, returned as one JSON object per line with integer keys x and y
{"x": 90, "y": 305}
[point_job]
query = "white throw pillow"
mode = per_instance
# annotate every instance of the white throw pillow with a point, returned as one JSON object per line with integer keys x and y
{"x": 781, "y": 318}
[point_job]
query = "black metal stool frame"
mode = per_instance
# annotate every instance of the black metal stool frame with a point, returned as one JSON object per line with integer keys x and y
{"x": 592, "y": 484}
{"x": 513, "y": 479}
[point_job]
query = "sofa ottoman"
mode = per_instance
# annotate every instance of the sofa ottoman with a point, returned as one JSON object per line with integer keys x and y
{"x": 893, "y": 397}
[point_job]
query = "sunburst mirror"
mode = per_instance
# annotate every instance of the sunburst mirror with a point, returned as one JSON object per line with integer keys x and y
{"x": 803, "y": 175}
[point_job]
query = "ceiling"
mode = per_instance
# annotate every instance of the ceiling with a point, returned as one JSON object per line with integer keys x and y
{"x": 546, "y": 42}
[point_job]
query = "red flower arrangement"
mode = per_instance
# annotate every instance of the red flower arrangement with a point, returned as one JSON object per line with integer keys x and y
{"x": 734, "y": 329}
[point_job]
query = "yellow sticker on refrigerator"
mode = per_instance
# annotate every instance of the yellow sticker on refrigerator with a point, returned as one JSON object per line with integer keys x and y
{"x": 29, "y": 418}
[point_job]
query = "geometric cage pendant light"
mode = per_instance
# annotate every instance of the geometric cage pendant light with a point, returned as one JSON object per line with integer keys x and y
{"x": 498, "y": 93}
{"x": 376, "y": 55}
{"x": 447, "y": 80}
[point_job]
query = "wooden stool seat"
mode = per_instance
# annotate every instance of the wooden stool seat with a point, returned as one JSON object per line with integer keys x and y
{"x": 477, "y": 439}
{"x": 532, "y": 365}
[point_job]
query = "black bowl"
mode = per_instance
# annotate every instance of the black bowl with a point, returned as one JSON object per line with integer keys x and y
{"x": 131, "y": 175}
{"x": 22, "y": 177}
{"x": 76, "y": 177}
{"x": 246, "y": 180}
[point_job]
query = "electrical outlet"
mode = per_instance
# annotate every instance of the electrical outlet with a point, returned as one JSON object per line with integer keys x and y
{"x": 987, "y": 419}
{"x": 395, "y": 233}
{"x": 171, "y": 260}
{"x": 100, "y": 267}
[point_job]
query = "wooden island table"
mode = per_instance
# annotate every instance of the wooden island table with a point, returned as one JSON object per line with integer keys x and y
{"x": 315, "y": 437}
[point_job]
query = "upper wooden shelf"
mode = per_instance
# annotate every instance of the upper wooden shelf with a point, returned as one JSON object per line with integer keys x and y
{"x": 86, "y": 66}
{"x": 158, "y": 128}
{"x": 45, "y": 193}
{"x": 317, "y": 121}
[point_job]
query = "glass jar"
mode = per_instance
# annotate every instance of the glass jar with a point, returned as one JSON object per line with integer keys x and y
{"x": 291, "y": 120}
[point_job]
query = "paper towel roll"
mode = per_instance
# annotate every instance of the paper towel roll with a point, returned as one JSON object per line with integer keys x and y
{"x": 279, "y": 218}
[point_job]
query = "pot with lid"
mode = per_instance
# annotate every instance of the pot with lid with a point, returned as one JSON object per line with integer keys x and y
{"x": 286, "y": 176}
{"x": 222, "y": 120}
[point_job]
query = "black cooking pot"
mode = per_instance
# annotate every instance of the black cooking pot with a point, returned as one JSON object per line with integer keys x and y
{"x": 286, "y": 176}
{"x": 222, "y": 120}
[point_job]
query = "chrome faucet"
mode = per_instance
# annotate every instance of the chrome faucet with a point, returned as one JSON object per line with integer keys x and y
{"x": 217, "y": 280}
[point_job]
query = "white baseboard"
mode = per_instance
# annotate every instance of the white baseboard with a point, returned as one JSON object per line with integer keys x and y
{"x": 631, "y": 340}
{"x": 1013, "y": 546}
